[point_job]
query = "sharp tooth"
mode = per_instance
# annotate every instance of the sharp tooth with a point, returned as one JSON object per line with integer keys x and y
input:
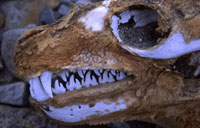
{"x": 120, "y": 76}
{"x": 83, "y": 83}
{"x": 46, "y": 82}
{"x": 97, "y": 72}
{"x": 37, "y": 91}
{"x": 113, "y": 72}
{"x": 80, "y": 73}
{"x": 63, "y": 76}
{"x": 111, "y": 78}
{"x": 87, "y": 80}
{"x": 104, "y": 79}
{"x": 59, "y": 89}
{"x": 105, "y": 76}
{"x": 78, "y": 84}
{"x": 71, "y": 84}
{"x": 62, "y": 88}
{"x": 94, "y": 81}
{"x": 101, "y": 80}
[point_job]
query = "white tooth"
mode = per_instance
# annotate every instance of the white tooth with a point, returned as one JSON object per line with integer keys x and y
{"x": 37, "y": 91}
{"x": 105, "y": 76}
{"x": 63, "y": 76}
{"x": 71, "y": 84}
{"x": 86, "y": 82}
{"x": 67, "y": 73}
{"x": 97, "y": 72}
{"x": 113, "y": 72}
{"x": 83, "y": 83}
{"x": 104, "y": 79}
{"x": 78, "y": 84}
{"x": 80, "y": 73}
{"x": 111, "y": 78}
{"x": 46, "y": 82}
{"x": 63, "y": 89}
{"x": 59, "y": 89}
{"x": 100, "y": 70}
{"x": 101, "y": 80}
{"x": 94, "y": 81}
{"x": 120, "y": 76}
{"x": 68, "y": 86}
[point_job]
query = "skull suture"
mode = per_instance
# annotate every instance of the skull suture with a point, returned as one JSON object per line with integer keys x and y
{"x": 115, "y": 61}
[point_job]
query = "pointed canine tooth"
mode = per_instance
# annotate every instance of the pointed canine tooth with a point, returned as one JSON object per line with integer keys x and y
{"x": 113, "y": 72}
{"x": 37, "y": 91}
{"x": 80, "y": 73}
{"x": 111, "y": 78}
{"x": 63, "y": 76}
{"x": 120, "y": 76}
{"x": 59, "y": 89}
{"x": 78, "y": 84}
{"x": 46, "y": 82}
{"x": 97, "y": 72}
{"x": 94, "y": 81}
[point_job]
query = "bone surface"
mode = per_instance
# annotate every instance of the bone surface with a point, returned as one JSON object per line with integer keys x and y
{"x": 76, "y": 113}
{"x": 169, "y": 48}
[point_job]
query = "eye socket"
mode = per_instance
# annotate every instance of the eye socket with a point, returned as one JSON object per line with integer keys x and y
{"x": 136, "y": 27}
{"x": 136, "y": 31}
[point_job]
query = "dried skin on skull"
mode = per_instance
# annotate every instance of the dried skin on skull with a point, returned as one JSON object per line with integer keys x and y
{"x": 109, "y": 61}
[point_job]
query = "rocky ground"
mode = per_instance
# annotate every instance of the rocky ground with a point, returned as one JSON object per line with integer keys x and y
{"x": 16, "y": 17}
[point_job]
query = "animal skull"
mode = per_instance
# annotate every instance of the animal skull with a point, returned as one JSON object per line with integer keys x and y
{"x": 116, "y": 60}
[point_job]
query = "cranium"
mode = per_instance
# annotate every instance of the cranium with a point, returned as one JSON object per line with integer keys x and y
{"x": 116, "y": 60}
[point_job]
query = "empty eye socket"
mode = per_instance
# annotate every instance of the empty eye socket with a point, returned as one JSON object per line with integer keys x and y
{"x": 136, "y": 27}
{"x": 136, "y": 30}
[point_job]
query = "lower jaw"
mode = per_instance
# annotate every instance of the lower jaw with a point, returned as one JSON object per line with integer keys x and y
{"x": 91, "y": 94}
{"x": 80, "y": 105}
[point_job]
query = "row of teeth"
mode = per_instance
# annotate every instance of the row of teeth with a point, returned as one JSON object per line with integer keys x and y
{"x": 44, "y": 86}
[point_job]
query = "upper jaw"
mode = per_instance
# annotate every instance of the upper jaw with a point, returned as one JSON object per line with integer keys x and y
{"x": 89, "y": 95}
{"x": 48, "y": 84}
